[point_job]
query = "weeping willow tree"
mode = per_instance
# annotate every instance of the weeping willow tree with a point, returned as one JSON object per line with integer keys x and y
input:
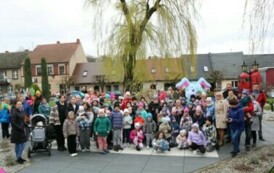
{"x": 259, "y": 16}
{"x": 137, "y": 28}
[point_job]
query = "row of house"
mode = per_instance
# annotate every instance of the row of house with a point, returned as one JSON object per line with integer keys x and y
{"x": 68, "y": 68}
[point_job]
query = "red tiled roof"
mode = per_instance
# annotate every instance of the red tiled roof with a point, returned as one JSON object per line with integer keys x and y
{"x": 53, "y": 53}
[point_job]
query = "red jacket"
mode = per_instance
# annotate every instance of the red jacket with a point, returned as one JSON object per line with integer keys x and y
{"x": 125, "y": 102}
{"x": 261, "y": 99}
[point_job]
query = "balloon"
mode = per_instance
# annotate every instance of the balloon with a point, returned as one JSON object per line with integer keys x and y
{"x": 32, "y": 92}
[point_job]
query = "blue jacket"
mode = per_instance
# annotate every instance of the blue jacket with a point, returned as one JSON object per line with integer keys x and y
{"x": 116, "y": 119}
{"x": 210, "y": 111}
{"x": 4, "y": 116}
{"x": 237, "y": 116}
{"x": 27, "y": 109}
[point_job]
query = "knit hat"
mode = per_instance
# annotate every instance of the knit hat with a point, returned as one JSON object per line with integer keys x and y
{"x": 245, "y": 92}
{"x": 183, "y": 132}
{"x": 107, "y": 96}
{"x": 195, "y": 125}
{"x": 165, "y": 119}
{"x": 101, "y": 111}
{"x": 126, "y": 111}
{"x": 29, "y": 102}
{"x": 149, "y": 115}
{"x": 186, "y": 110}
{"x": 137, "y": 125}
{"x": 127, "y": 93}
{"x": 140, "y": 105}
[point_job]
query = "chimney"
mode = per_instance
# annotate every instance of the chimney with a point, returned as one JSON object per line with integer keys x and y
{"x": 77, "y": 40}
{"x": 58, "y": 42}
{"x": 6, "y": 51}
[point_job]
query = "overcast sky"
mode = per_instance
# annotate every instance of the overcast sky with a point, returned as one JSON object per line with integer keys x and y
{"x": 27, "y": 23}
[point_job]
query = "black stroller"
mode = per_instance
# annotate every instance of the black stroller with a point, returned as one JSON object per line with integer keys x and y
{"x": 39, "y": 139}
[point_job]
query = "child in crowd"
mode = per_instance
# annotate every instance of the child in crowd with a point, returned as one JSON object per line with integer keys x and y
{"x": 71, "y": 131}
{"x": 210, "y": 108}
{"x": 165, "y": 128}
{"x": 5, "y": 120}
{"x": 181, "y": 140}
{"x": 102, "y": 127}
{"x": 116, "y": 118}
{"x": 84, "y": 124}
{"x": 149, "y": 129}
{"x": 175, "y": 130}
{"x": 160, "y": 144}
{"x": 139, "y": 119}
{"x": 186, "y": 120}
{"x": 127, "y": 122}
{"x": 210, "y": 134}
{"x": 199, "y": 117}
{"x": 137, "y": 136}
{"x": 196, "y": 139}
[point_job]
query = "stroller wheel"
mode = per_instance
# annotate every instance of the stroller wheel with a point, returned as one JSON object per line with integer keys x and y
{"x": 29, "y": 152}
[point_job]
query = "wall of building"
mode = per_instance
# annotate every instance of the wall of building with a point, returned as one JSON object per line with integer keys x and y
{"x": 78, "y": 57}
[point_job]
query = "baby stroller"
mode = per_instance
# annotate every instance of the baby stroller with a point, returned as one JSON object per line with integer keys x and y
{"x": 38, "y": 135}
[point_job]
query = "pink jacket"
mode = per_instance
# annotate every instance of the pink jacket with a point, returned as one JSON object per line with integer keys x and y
{"x": 139, "y": 134}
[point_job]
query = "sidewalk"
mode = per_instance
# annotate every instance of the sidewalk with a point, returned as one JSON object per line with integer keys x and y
{"x": 93, "y": 162}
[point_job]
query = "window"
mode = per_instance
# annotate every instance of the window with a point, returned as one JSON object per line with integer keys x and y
{"x": 61, "y": 69}
{"x": 205, "y": 68}
{"x": 3, "y": 75}
{"x": 50, "y": 69}
{"x": 234, "y": 84}
{"x": 116, "y": 87}
{"x": 14, "y": 74}
{"x": 153, "y": 70}
{"x": 167, "y": 69}
{"x": 38, "y": 71}
{"x": 85, "y": 73}
{"x": 108, "y": 88}
{"x": 77, "y": 88}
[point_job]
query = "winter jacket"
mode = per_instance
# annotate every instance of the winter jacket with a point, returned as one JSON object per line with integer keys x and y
{"x": 210, "y": 134}
{"x": 255, "y": 126}
{"x": 125, "y": 102}
{"x": 102, "y": 126}
{"x": 18, "y": 131}
{"x": 237, "y": 116}
{"x": 27, "y": 108}
{"x": 186, "y": 122}
{"x": 70, "y": 127}
{"x": 198, "y": 138}
{"x": 210, "y": 111}
{"x": 5, "y": 116}
{"x": 62, "y": 111}
{"x": 261, "y": 99}
{"x": 221, "y": 108}
{"x": 149, "y": 127}
{"x": 44, "y": 109}
{"x": 71, "y": 108}
{"x": 143, "y": 113}
{"x": 84, "y": 123}
{"x": 116, "y": 118}
{"x": 127, "y": 122}
{"x": 199, "y": 120}
{"x": 166, "y": 129}
{"x": 54, "y": 117}
{"x": 136, "y": 134}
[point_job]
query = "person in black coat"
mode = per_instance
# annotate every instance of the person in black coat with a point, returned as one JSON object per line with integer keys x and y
{"x": 62, "y": 113}
{"x": 18, "y": 131}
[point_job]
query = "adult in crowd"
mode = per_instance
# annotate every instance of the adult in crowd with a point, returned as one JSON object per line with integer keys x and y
{"x": 126, "y": 100}
{"x": 227, "y": 89}
{"x": 27, "y": 109}
{"x": 62, "y": 115}
{"x": 37, "y": 100}
{"x": 221, "y": 108}
{"x": 73, "y": 106}
{"x": 255, "y": 120}
{"x": 18, "y": 131}
{"x": 44, "y": 107}
{"x": 260, "y": 97}
{"x": 237, "y": 124}
{"x": 248, "y": 107}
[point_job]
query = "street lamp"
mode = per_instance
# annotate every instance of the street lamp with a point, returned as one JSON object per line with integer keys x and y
{"x": 244, "y": 67}
{"x": 255, "y": 65}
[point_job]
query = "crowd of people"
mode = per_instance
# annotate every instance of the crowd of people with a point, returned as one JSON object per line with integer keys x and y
{"x": 161, "y": 120}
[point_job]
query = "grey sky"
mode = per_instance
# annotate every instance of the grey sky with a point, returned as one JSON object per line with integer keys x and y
{"x": 25, "y": 24}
